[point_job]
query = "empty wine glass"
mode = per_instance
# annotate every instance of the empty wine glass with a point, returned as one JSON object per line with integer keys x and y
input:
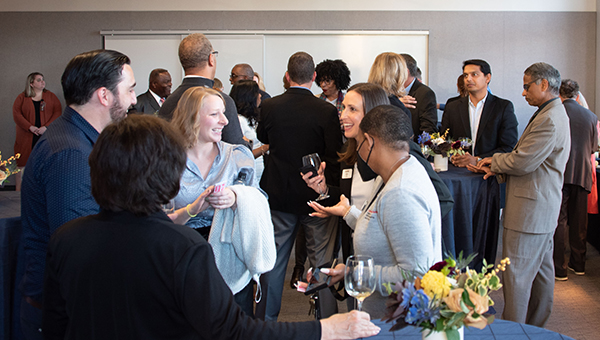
{"x": 359, "y": 277}
{"x": 314, "y": 161}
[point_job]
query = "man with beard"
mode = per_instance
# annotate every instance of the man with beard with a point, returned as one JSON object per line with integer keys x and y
{"x": 98, "y": 87}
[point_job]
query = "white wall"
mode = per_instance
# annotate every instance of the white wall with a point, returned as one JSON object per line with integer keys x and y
{"x": 312, "y": 5}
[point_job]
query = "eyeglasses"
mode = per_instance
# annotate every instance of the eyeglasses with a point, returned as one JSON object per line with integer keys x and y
{"x": 526, "y": 86}
{"x": 216, "y": 53}
{"x": 233, "y": 76}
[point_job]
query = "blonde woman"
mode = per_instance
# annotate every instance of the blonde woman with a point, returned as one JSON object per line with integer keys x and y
{"x": 212, "y": 167}
{"x": 33, "y": 110}
{"x": 390, "y": 72}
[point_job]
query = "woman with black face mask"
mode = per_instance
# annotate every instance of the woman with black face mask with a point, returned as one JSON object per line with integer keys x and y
{"x": 399, "y": 224}
{"x": 357, "y": 178}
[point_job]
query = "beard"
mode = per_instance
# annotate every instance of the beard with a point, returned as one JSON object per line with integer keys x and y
{"x": 117, "y": 112}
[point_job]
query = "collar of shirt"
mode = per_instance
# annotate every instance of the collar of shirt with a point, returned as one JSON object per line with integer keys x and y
{"x": 74, "y": 117}
{"x": 540, "y": 108}
{"x": 410, "y": 86}
{"x": 300, "y": 87}
{"x": 474, "y": 118}
{"x": 156, "y": 97}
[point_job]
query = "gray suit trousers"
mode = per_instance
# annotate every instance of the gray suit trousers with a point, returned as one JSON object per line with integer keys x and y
{"x": 529, "y": 279}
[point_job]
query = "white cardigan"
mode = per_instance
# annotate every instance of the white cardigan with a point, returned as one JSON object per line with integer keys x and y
{"x": 243, "y": 239}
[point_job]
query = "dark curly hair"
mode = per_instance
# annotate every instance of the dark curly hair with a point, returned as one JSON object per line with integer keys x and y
{"x": 136, "y": 165}
{"x": 244, "y": 93}
{"x": 335, "y": 70}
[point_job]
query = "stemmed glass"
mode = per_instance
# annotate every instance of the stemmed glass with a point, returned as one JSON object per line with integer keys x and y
{"x": 315, "y": 161}
{"x": 169, "y": 207}
{"x": 359, "y": 277}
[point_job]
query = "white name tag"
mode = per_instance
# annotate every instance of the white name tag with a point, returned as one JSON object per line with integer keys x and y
{"x": 347, "y": 173}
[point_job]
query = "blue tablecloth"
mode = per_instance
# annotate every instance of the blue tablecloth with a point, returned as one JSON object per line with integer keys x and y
{"x": 500, "y": 329}
{"x": 473, "y": 224}
{"x": 12, "y": 271}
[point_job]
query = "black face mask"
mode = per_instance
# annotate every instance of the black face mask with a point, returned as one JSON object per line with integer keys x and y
{"x": 365, "y": 171}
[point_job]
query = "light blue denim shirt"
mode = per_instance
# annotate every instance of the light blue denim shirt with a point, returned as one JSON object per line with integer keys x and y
{"x": 226, "y": 167}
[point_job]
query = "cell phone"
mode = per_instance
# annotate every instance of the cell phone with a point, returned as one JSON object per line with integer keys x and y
{"x": 319, "y": 281}
{"x": 309, "y": 168}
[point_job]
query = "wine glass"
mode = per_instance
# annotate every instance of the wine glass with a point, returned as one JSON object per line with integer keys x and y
{"x": 315, "y": 161}
{"x": 169, "y": 208}
{"x": 359, "y": 277}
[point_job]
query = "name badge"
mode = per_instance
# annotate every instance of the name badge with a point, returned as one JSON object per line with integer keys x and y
{"x": 347, "y": 173}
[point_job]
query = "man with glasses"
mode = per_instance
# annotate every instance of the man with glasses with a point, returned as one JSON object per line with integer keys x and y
{"x": 245, "y": 72}
{"x": 199, "y": 62}
{"x": 488, "y": 120}
{"x": 533, "y": 172}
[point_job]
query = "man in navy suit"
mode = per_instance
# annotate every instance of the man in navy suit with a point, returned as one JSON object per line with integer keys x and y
{"x": 572, "y": 220}
{"x": 296, "y": 124}
{"x": 488, "y": 120}
{"x": 159, "y": 88}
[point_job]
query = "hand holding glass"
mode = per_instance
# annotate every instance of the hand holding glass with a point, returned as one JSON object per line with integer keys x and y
{"x": 169, "y": 207}
{"x": 313, "y": 160}
{"x": 359, "y": 277}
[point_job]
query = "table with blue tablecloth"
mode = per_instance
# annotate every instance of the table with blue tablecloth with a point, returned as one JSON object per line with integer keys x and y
{"x": 472, "y": 226}
{"x": 500, "y": 329}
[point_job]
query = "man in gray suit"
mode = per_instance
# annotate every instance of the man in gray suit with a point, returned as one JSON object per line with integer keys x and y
{"x": 159, "y": 88}
{"x": 572, "y": 220}
{"x": 533, "y": 172}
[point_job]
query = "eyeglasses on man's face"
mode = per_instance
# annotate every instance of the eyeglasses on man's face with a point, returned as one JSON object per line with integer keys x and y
{"x": 526, "y": 86}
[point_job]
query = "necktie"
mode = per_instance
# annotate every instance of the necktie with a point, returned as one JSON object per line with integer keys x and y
{"x": 161, "y": 101}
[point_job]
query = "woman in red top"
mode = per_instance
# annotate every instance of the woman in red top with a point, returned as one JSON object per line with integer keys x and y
{"x": 33, "y": 110}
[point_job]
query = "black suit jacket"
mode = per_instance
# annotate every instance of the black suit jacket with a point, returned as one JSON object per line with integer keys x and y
{"x": 232, "y": 132}
{"x": 145, "y": 104}
{"x": 497, "y": 130}
{"x": 424, "y": 116}
{"x": 295, "y": 124}
{"x": 118, "y": 281}
{"x": 584, "y": 142}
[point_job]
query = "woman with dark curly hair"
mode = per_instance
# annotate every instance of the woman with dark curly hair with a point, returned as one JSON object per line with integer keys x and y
{"x": 333, "y": 77}
{"x": 247, "y": 98}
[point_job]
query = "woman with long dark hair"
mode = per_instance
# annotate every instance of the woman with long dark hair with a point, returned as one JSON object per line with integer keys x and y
{"x": 247, "y": 97}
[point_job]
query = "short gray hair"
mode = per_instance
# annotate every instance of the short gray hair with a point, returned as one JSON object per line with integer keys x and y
{"x": 539, "y": 71}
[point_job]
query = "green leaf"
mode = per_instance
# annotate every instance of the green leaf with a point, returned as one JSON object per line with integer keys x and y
{"x": 464, "y": 307}
{"x": 452, "y": 334}
{"x": 466, "y": 299}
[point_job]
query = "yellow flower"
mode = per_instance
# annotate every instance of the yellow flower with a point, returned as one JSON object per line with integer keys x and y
{"x": 435, "y": 283}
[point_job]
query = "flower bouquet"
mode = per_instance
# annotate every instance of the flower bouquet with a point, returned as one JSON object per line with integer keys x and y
{"x": 438, "y": 144}
{"x": 448, "y": 296}
{"x": 8, "y": 167}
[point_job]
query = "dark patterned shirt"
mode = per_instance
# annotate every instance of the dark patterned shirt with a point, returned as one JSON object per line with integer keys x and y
{"x": 56, "y": 189}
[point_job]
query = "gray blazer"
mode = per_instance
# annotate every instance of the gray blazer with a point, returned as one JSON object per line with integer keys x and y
{"x": 534, "y": 170}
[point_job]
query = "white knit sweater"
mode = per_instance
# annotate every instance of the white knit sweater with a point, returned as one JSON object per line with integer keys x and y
{"x": 242, "y": 239}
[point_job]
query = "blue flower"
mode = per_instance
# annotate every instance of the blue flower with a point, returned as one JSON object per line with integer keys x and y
{"x": 407, "y": 294}
{"x": 423, "y": 138}
{"x": 420, "y": 308}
